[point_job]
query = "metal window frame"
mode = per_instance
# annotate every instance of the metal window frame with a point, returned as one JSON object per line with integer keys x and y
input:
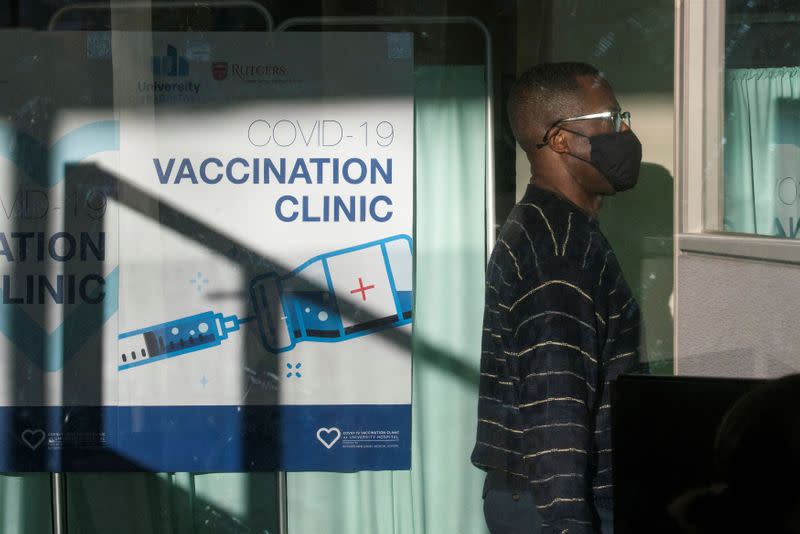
{"x": 58, "y": 495}
{"x": 159, "y": 4}
{"x": 489, "y": 223}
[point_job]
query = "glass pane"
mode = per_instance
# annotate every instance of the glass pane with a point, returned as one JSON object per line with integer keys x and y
{"x": 762, "y": 119}
{"x": 436, "y": 79}
{"x": 172, "y": 503}
{"x": 52, "y": 81}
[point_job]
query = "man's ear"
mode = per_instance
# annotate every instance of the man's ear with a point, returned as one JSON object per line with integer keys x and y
{"x": 558, "y": 142}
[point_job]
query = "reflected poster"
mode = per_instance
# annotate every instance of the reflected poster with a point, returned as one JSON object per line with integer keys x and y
{"x": 205, "y": 251}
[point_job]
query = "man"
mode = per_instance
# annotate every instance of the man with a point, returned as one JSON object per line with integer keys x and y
{"x": 560, "y": 321}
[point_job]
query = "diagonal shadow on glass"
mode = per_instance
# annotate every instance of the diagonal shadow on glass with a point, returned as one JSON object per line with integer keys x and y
{"x": 261, "y": 372}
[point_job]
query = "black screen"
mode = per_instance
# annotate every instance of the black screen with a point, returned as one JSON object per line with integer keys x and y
{"x": 663, "y": 430}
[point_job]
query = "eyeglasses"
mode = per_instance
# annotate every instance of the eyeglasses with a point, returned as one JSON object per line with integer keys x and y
{"x": 617, "y": 118}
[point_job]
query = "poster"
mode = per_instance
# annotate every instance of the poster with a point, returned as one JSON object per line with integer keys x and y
{"x": 206, "y": 252}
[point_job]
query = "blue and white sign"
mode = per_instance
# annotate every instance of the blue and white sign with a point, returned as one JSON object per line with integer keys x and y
{"x": 205, "y": 252}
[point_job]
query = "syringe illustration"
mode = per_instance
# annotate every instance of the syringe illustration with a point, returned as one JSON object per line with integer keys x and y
{"x": 330, "y": 298}
{"x": 174, "y": 338}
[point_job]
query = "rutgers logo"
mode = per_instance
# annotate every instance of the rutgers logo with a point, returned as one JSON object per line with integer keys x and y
{"x": 219, "y": 69}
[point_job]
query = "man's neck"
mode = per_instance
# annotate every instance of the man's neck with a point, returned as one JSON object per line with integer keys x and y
{"x": 586, "y": 202}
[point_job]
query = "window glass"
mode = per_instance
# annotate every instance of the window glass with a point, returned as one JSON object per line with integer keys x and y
{"x": 436, "y": 77}
{"x": 761, "y": 143}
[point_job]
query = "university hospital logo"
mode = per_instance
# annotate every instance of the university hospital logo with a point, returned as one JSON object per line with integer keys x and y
{"x": 170, "y": 65}
{"x": 171, "y": 83}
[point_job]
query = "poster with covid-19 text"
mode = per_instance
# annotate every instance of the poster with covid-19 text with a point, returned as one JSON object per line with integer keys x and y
{"x": 205, "y": 251}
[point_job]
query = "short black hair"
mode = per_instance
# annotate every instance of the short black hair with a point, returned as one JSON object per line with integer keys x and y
{"x": 542, "y": 95}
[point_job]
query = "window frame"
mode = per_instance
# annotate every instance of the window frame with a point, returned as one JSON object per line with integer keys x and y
{"x": 699, "y": 116}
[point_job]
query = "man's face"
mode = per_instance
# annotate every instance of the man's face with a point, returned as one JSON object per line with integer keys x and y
{"x": 597, "y": 97}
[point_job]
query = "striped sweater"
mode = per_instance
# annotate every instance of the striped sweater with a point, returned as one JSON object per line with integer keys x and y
{"x": 559, "y": 323}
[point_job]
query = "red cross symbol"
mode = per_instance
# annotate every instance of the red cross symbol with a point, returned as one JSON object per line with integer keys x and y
{"x": 362, "y": 289}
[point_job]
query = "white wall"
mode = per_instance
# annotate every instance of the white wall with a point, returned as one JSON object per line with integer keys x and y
{"x": 737, "y": 317}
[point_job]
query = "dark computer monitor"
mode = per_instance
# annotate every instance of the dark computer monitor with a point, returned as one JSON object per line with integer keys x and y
{"x": 663, "y": 430}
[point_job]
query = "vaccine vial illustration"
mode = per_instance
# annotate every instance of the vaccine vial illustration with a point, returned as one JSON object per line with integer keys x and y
{"x": 330, "y": 298}
{"x": 336, "y": 296}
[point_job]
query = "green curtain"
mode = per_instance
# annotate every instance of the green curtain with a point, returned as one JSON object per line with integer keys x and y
{"x": 25, "y": 504}
{"x": 762, "y": 134}
{"x": 442, "y": 492}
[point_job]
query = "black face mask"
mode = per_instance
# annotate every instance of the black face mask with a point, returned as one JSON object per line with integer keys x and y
{"x": 617, "y": 155}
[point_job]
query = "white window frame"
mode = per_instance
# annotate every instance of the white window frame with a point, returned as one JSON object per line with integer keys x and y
{"x": 699, "y": 100}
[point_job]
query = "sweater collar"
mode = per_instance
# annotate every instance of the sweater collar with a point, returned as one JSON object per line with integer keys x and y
{"x": 546, "y": 197}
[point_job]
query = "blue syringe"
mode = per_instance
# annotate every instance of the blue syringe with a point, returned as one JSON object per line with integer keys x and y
{"x": 174, "y": 338}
